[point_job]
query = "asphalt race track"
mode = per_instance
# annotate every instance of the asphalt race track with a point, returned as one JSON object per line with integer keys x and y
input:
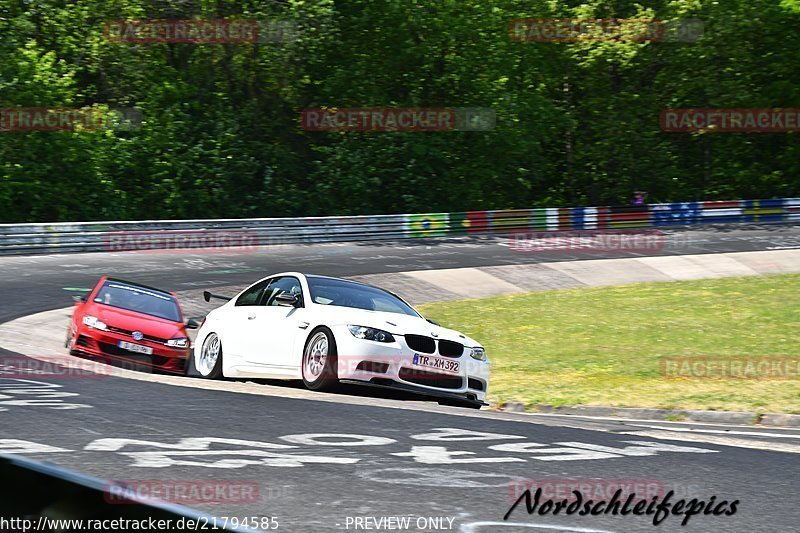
{"x": 329, "y": 466}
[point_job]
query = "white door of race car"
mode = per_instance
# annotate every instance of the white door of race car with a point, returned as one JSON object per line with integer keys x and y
{"x": 272, "y": 331}
{"x": 236, "y": 321}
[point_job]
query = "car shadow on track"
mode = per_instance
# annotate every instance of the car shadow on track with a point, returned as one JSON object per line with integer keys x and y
{"x": 345, "y": 389}
{"x": 349, "y": 390}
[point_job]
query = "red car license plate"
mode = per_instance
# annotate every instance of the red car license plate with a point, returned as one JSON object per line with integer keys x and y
{"x": 136, "y": 348}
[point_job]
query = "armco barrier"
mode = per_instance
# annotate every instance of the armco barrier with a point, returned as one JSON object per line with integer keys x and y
{"x": 100, "y": 236}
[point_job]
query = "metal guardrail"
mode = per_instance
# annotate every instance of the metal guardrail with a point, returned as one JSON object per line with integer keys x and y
{"x": 121, "y": 236}
{"x": 126, "y": 236}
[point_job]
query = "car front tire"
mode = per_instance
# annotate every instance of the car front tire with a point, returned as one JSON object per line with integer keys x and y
{"x": 209, "y": 362}
{"x": 319, "y": 365}
{"x": 70, "y": 342}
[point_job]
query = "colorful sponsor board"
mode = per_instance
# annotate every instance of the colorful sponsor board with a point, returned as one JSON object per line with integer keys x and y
{"x": 763, "y": 210}
{"x": 504, "y": 221}
{"x": 721, "y": 211}
{"x": 549, "y": 219}
{"x": 792, "y": 206}
{"x": 428, "y": 225}
{"x": 675, "y": 213}
{"x": 469, "y": 222}
{"x": 628, "y": 216}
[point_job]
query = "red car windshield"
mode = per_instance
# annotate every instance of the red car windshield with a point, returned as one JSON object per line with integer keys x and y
{"x": 139, "y": 299}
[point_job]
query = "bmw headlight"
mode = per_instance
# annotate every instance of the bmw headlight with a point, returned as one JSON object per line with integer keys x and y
{"x": 478, "y": 353}
{"x": 178, "y": 343}
{"x": 94, "y": 322}
{"x": 370, "y": 334}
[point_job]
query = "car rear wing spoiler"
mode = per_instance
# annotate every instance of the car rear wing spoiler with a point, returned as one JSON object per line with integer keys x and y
{"x": 207, "y": 295}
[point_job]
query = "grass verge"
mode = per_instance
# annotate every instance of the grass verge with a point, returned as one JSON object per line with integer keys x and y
{"x": 602, "y": 346}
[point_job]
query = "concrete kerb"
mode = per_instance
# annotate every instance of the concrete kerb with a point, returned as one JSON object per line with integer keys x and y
{"x": 671, "y": 415}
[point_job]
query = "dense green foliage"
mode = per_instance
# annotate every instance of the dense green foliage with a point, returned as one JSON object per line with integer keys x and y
{"x": 577, "y": 124}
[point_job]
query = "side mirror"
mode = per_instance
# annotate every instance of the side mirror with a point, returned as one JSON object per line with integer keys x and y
{"x": 79, "y": 299}
{"x": 287, "y": 298}
{"x": 192, "y": 324}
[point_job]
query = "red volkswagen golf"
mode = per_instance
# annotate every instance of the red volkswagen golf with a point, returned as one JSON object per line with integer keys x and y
{"x": 131, "y": 322}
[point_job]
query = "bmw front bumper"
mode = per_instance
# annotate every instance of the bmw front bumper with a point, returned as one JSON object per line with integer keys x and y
{"x": 394, "y": 363}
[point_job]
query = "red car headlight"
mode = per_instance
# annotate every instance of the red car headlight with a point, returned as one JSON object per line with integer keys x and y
{"x": 94, "y": 322}
{"x": 183, "y": 342}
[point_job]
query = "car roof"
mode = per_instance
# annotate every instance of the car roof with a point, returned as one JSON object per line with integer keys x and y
{"x": 359, "y": 283}
{"x": 333, "y": 278}
{"x": 140, "y": 285}
{"x": 316, "y": 276}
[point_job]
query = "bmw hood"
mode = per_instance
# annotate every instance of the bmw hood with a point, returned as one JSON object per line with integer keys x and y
{"x": 398, "y": 324}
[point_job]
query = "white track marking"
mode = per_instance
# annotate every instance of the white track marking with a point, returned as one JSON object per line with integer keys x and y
{"x": 252, "y": 457}
{"x": 195, "y": 444}
{"x": 552, "y": 454}
{"x": 436, "y": 477}
{"x": 35, "y": 394}
{"x": 457, "y": 434}
{"x": 439, "y": 455}
{"x": 312, "y": 439}
{"x": 724, "y": 432}
{"x": 26, "y": 446}
{"x": 718, "y": 440}
{"x": 643, "y": 449}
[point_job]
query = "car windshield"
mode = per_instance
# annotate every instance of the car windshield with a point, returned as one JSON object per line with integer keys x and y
{"x": 139, "y": 299}
{"x": 329, "y": 291}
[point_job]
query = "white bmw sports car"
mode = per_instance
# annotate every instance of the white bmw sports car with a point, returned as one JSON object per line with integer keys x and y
{"x": 328, "y": 330}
